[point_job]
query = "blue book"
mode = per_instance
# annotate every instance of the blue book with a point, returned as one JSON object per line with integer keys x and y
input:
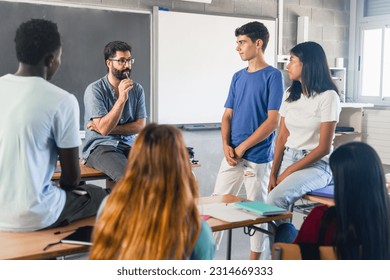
{"x": 261, "y": 208}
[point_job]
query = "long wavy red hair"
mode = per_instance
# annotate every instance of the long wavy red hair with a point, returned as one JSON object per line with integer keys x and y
{"x": 151, "y": 213}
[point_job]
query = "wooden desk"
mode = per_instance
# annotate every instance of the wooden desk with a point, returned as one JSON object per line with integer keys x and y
{"x": 89, "y": 173}
{"x": 323, "y": 200}
{"x": 29, "y": 245}
{"x": 218, "y": 225}
{"x": 86, "y": 173}
{"x": 330, "y": 201}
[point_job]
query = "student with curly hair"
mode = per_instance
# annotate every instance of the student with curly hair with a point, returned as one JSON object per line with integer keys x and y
{"x": 38, "y": 125}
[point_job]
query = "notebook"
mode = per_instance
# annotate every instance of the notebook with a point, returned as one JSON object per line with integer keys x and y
{"x": 81, "y": 236}
{"x": 327, "y": 191}
{"x": 226, "y": 212}
{"x": 261, "y": 208}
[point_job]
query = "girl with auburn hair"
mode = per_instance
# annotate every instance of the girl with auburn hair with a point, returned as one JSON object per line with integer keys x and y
{"x": 358, "y": 226}
{"x": 151, "y": 212}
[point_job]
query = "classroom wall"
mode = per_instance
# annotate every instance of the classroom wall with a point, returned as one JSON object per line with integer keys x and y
{"x": 376, "y": 132}
{"x": 329, "y": 21}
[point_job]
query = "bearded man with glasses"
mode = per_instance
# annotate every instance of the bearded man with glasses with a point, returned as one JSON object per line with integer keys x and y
{"x": 114, "y": 113}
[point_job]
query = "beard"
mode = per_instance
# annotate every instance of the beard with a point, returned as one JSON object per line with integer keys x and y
{"x": 120, "y": 74}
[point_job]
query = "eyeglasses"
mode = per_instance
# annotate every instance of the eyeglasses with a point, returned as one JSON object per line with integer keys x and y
{"x": 124, "y": 61}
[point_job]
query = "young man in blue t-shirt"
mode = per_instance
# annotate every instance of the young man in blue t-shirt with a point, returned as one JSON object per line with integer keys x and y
{"x": 249, "y": 122}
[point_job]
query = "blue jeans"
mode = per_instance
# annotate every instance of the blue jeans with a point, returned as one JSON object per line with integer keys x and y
{"x": 285, "y": 233}
{"x": 297, "y": 184}
{"x": 110, "y": 160}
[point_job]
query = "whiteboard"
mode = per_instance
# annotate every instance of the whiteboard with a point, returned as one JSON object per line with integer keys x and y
{"x": 195, "y": 62}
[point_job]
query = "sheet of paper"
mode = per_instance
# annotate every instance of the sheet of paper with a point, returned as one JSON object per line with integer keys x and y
{"x": 226, "y": 212}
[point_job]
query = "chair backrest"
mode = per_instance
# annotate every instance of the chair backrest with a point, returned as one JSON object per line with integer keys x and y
{"x": 287, "y": 251}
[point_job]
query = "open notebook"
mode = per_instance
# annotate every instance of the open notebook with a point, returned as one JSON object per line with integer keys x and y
{"x": 226, "y": 212}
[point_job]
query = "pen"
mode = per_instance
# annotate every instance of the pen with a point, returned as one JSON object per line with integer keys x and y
{"x": 63, "y": 231}
{"x": 128, "y": 77}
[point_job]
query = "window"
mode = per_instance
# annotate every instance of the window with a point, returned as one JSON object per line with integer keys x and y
{"x": 386, "y": 64}
{"x": 372, "y": 81}
{"x": 376, "y": 8}
{"x": 370, "y": 63}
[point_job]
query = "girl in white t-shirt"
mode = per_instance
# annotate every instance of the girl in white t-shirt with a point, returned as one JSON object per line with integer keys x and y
{"x": 309, "y": 113}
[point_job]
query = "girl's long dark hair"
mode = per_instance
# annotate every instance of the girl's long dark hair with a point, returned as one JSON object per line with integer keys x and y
{"x": 362, "y": 203}
{"x": 315, "y": 71}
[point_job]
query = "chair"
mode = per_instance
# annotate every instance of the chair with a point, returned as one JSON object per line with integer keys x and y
{"x": 287, "y": 251}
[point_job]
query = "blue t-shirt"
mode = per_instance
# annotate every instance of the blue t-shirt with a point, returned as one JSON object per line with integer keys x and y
{"x": 37, "y": 118}
{"x": 99, "y": 98}
{"x": 251, "y": 95}
{"x": 205, "y": 245}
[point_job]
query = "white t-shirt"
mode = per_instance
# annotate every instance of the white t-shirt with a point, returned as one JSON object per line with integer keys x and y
{"x": 304, "y": 116}
{"x": 36, "y": 117}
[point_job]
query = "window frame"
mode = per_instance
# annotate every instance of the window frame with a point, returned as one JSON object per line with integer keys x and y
{"x": 358, "y": 24}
